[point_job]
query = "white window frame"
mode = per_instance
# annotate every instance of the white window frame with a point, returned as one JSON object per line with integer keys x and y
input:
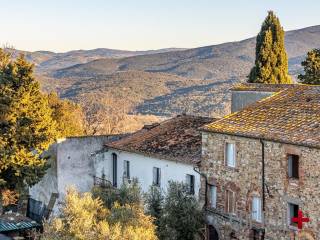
{"x": 213, "y": 196}
{"x": 226, "y": 154}
{"x": 256, "y": 209}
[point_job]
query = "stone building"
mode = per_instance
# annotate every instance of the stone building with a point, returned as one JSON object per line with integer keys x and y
{"x": 262, "y": 166}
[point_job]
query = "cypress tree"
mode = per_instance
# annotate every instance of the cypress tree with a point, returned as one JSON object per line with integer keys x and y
{"x": 311, "y": 68}
{"x": 271, "y": 64}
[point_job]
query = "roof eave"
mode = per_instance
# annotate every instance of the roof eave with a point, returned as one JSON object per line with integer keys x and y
{"x": 159, "y": 156}
{"x": 204, "y": 129}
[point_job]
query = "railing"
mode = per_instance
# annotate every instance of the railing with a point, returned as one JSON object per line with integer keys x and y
{"x": 102, "y": 182}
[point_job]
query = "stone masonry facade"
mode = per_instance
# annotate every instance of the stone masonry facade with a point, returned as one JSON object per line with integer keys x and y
{"x": 245, "y": 180}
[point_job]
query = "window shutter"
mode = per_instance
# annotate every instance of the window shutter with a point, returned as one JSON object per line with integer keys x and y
{"x": 128, "y": 169}
{"x": 125, "y": 168}
{"x": 256, "y": 209}
{"x": 213, "y": 196}
{"x": 192, "y": 184}
{"x": 232, "y": 202}
{"x": 290, "y": 165}
{"x": 154, "y": 176}
{"x": 159, "y": 177}
{"x": 230, "y": 154}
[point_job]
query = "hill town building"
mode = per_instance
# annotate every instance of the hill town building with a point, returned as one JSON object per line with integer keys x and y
{"x": 262, "y": 165}
{"x": 154, "y": 155}
{"x": 158, "y": 153}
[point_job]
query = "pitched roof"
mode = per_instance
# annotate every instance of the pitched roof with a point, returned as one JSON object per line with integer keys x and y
{"x": 258, "y": 87}
{"x": 289, "y": 116}
{"x": 175, "y": 139}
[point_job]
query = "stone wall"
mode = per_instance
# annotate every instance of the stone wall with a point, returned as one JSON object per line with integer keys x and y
{"x": 72, "y": 164}
{"x": 246, "y": 181}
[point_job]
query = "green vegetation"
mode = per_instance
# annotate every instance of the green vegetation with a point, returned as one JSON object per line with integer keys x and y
{"x": 311, "y": 68}
{"x": 177, "y": 214}
{"x": 30, "y": 121}
{"x": 26, "y": 125}
{"x": 68, "y": 116}
{"x": 126, "y": 194}
{"x": 84, "y": 217}
{"x": 271, "y": 64}
{"x": 154, "y": 200}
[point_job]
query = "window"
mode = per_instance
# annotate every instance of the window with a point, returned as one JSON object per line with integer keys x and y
{"x": 292, "y": 212}
{"x": 156, "y": 176}
{"x": 114, "y": 169}
{"x": 213, "y": 196}
{"x": 293, "y": 166}
{"x": 230, "y": 155}
{"x": 256, "y": 209}
{"x": 230, "y": 201}
{"x": 254, "y": 235}
{"x": 126, "y": 169}
{"x": 190, "y": 183}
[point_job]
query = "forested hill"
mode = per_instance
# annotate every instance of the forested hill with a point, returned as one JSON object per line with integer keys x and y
{"x": 167, "y": 81}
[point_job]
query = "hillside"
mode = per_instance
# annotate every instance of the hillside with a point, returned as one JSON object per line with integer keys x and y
{"x": 192, "y": 80}
{"x": 47, "y": 61}
{"x": 211, "y": 62}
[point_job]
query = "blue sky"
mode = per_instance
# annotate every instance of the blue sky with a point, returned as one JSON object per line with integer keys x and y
{"x": 62, "y": 25}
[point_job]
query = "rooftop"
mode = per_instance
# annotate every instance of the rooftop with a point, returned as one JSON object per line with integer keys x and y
{"x": 258, "y": 87}
{"x": 289, "y": 116}
{"x": 175, "y": 139}
{"x": 16, "y": 222}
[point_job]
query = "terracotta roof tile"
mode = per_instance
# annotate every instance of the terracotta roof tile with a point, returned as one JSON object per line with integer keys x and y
{"x": 175, "y": 139}
{"x": 258, "y": 87}
{"x": 289, "y": 116}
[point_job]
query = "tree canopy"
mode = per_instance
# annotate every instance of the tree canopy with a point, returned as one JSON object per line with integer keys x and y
{"x": 311, "y": 68}
{"x": 26, "y": 125}
{"x": 85, "y": 217}
{"x": 271, "y": 64}
{"x": 68, "y": 115}
{"x": 181, "y": 215}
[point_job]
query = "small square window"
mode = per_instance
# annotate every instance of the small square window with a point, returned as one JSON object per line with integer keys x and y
{"x": 230, "y": 155}
{"x": 190, "y": 183}
{"x": 292, "y": 212}
{"x": 293, "y": 166}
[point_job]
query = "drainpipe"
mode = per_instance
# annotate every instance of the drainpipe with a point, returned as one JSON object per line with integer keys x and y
{"x": 263, "y": 183}
{"x": 206, "y": 187}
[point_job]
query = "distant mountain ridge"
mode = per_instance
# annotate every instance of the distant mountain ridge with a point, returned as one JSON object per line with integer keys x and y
{"x": 188, "y": 80}
{"x": 204, "y": 62}
{"x": 48, "y": 61}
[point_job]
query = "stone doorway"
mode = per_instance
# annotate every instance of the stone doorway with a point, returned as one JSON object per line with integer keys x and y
{"x": 212, "y": 233}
